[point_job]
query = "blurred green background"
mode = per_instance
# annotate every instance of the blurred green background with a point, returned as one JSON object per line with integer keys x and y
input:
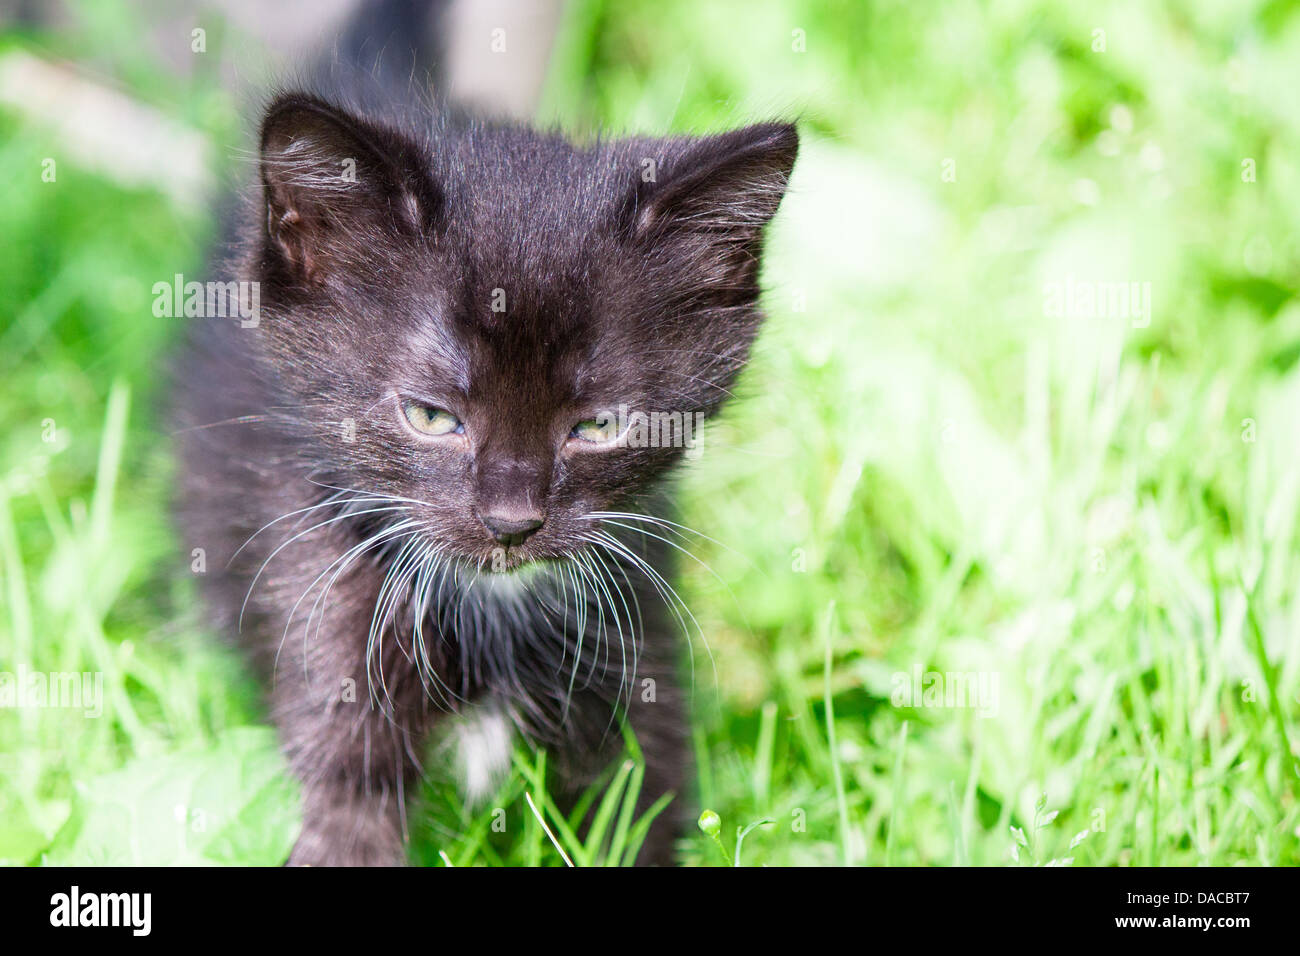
{"x": 933, "y": 467}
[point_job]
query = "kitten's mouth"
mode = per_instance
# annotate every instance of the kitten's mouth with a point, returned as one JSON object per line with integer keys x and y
{"x": 523, "y": 576}
{"x": 520, "y": 564}
{"x": 514, "y": 562}
{"x": 515, "y": 565}
{"x": 524, "y": 570}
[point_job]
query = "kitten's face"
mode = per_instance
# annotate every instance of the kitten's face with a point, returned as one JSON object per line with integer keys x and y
{"x": 473, "y": 323}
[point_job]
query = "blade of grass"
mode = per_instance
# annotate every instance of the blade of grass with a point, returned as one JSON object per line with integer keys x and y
{"x": 837, "y": 773}
{"x": 561, "y": 824}
{"x": 610, "y": 801}
{"x": 619, "y": 843}
{"x": 642, "y": 828}
{"x": 703, "y": 765}
{"x": 110, "y": 462}
{"x": 1270, "y": 681}
{"x": 744, "y": 832}
{"x": 533, "y": 833}
{"x": 763, "y": 756}
{"x": 954, "y": 824}
{"x": 554, "y": 842}
{"x": 897, "y": 796}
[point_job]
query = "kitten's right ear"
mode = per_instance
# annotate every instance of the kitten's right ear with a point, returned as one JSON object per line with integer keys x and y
{"x": 336, "y": 186}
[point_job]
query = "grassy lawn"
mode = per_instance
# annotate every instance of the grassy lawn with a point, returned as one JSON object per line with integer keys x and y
{"x": 998, "y": 548}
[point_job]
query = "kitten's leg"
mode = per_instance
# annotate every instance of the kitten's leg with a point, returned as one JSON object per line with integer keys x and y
{"x": 355, "y": 758}
{"x": 356, "y": 767}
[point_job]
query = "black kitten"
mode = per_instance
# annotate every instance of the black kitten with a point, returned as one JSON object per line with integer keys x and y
{"x": 428, "y": 472}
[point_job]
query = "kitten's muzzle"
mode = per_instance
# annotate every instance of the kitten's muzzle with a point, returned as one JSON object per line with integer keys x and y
{"x": 510, "y": 530}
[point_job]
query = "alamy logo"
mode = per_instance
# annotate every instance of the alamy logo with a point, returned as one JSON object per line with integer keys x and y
{"x": 975, "y": 690}
{"x": 56, "y": 690}
{"x": 208, "y": 300}
{"x": 75, "y": 908}
{"x": 1085, "y": 299}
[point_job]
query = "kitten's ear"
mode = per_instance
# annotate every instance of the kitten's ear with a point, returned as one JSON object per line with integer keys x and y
{"x": 724, "y": 187}
{"x": 335, "y": 186}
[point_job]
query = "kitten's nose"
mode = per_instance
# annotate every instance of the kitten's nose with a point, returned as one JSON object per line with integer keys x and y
{"x": 511, "y": 529}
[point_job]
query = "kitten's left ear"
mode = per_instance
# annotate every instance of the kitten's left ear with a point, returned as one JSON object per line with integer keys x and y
{"x": 727, "y": 186}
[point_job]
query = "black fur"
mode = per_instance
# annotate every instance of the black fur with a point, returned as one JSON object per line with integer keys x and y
{"x": 618, "y": 289}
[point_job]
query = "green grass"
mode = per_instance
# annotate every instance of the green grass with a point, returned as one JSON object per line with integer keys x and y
{"x": 925, "y": 469}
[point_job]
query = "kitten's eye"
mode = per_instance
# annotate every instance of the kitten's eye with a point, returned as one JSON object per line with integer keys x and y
{"x": 598, "y": 431}
{"x": 432, "y": 421}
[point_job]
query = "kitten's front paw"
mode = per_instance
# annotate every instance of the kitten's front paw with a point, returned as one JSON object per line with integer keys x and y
{"x": 348, "y": 837}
